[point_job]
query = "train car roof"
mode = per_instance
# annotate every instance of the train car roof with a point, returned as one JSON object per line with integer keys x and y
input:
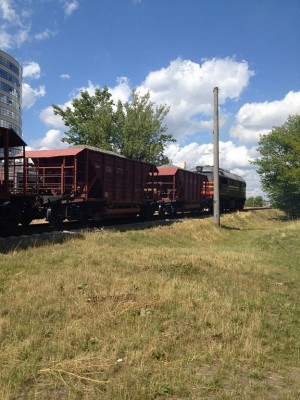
{"x": 14, "y": 140}
{"x": 68, "y": 151}
{"x": 170, "y": 169}
{"x": 73, "y": 151}
{"x": 230, "y": 175}
{"x": 223, "y": 172}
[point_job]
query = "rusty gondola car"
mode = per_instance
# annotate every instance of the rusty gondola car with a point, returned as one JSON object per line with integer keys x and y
{"x": 178, "y": 190}
{"x": 85, "y": 183}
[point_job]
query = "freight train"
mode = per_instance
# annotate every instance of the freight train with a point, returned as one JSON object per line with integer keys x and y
{"x": 85, "y": 183}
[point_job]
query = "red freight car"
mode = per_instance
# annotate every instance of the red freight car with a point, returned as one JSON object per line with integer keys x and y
{"x": 83, "y": 182}
{"x": 178, "y": 190}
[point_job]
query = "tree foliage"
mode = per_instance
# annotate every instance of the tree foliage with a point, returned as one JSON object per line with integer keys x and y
{"x": 279, "y": 166}
{"x": 257, "y": 201}
{"x": 134, "y": 129}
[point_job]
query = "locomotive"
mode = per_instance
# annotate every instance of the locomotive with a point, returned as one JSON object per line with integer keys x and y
{"x": 232, "y": 189}
{"x": 86, "y": 183}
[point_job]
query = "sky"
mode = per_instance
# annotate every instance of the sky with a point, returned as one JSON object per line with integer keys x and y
{"x": 179, "y": 51}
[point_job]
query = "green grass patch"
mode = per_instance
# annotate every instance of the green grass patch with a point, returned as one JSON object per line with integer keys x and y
{"x": 184, "y": 311}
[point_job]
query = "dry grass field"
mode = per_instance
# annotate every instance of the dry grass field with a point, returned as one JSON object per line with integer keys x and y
{"x": 180, "y": 311}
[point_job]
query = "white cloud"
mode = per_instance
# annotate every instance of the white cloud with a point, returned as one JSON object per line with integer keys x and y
{"x": 30, "y": 95}
{"x": 187, "y": 87}
{"x": 31, "y": 70}
{"x": 199, "y": 80}
{"x": 192, "y": 154}
{"x": 252, "y": 179}
{"x": 255, "y": 119}
{"x": 90, "y": 88}
{"x": 7, "y": 11}
{"x": 70, "y": 6}
{"x": 21, "y": 36}
{"x": 230, "y": 155}
{"x": 6, "y": 40}
{"x": 48, "y": 117}
{"x": 52, "y": 140}
{"x": 65, "y": 76}
{"x": 121, "y": 91}
{"x": 15, "y": 28}
{"x": 45, "y": 34}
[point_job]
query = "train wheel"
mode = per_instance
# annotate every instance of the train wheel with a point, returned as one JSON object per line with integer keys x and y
{"x": 161, "y": 211}
{"x": 54, "y": 218}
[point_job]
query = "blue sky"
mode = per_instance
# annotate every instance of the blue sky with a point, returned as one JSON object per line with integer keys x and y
{"x": 179, "y": 50}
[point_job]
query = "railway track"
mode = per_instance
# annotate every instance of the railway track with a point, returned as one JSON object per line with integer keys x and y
{"x": 41, "y": 232}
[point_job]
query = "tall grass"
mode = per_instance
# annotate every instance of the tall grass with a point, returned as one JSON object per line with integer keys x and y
{"x": 183, "y": 311}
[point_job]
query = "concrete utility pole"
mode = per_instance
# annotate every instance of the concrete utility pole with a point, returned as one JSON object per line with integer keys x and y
{"x": 216, "y": 158}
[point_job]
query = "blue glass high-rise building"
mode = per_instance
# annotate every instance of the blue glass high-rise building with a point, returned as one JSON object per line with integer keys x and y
{"x": 10, "y": 93}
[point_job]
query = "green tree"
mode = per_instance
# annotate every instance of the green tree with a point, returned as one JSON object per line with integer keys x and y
{"x": 134, "y": 129}
{"x": 249, "y": 202}
{"x": 91, "y": 120}
{"x": 257, "y": 201}
{"x": 142, "y": 134}
{"x": 279, "y": 166}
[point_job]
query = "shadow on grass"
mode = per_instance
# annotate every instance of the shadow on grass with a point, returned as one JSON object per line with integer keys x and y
{"x": 231, "y": 228}
{"x": 143, "y": 225}
{"x": 14, "y": 243}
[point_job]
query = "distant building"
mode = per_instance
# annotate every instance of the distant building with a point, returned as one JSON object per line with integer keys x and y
{"x": 10, "y": 93}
